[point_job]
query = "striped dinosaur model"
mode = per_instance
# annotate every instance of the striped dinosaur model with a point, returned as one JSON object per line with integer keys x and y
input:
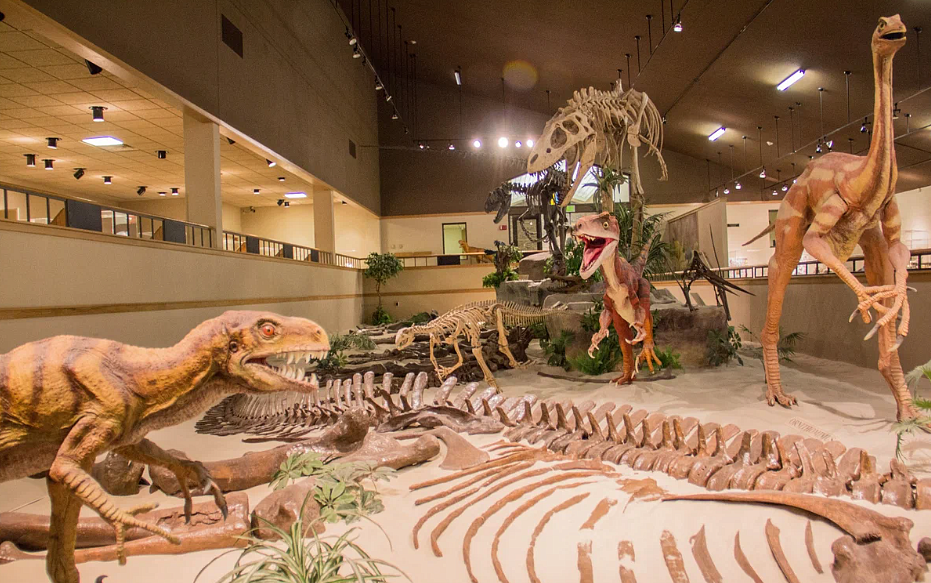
{"x": 65, "y": 400}
{"x": 467, "y": 321}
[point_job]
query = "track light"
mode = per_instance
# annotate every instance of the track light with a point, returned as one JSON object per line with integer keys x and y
{"x": 738, "y": 186}
{"x": 378, "y": 85}
{"x": 108, "y": 180}
{"x": 818, "y": 148}
{"x": 502, "y": 142}
{"x": 230, "y": 141}
{"x": 476, "y": 144}
{"x": 162, "y": 193}
{"x": 763, "y": 172}
{"x": 830, "y": 145}
{"x": 458, "y": 77}
{"x": 92, "y": 68}
{"x": 343, "y": 202}
{"x": 271, "y": 163}
{"x": 421, "y": 145}
{"x": 394, "y": 115}
{"x": 790, "y": 80}
{"x": 140, "y": 191}
{"x": 388, "y": 98}
{"x": 174, "y": 191}
{"x": 352, "y": 41}
{"x": 716, "y": 134}
{"x": 529, "y": 143}
{"x": 30, "y": 160}
{"x": 52, "y": 143}
{"x": 355, "y": 53}
{"x": 256, "y": 191}
{"x": 863, "y": 126}
{"x": 78, "y": 173}
{"x": 281, "y": 179}
{"x": 785, "y": 187}
{"x": 727, "y": 190}
{"x": 517, "y": 144}
{"x": 161, "y": 154}
{"x": 896, "y": 111}
{"x": 280, "y": 201}
{"x": 452, "y": 147}
{"x": 774, "y": 192}
{"x": 97, "y": 112}
{"x": 49, "y": 164}
{"x": 678, "y": 25}
{"x": 287, "y": 204}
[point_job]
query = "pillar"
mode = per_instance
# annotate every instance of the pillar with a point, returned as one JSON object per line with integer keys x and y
{"x": 324, "y": 221}
{"x": 202, "y": 174}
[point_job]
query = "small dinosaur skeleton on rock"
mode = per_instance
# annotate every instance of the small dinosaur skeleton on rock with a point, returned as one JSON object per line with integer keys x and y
{"x": 467, "y": 320}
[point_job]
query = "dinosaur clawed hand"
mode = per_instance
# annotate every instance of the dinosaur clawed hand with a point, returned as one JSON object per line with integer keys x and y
{"x": 596, "y": 340}
{"x": 191, "y": 472}
{"x": 871, "y": 297}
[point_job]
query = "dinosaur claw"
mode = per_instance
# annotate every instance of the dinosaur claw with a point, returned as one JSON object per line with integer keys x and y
{"x": 910, "y": 288}
{"x": 872, "y": 332}
{"x": 899, "y": 339}
{"x": 188, "y": 509}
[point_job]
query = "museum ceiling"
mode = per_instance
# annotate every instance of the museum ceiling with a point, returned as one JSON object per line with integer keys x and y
{"x": 720, "y": 70}
{"x": 46, "y": 91}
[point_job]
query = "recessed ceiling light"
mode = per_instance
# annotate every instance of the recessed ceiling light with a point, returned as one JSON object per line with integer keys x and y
{"x": 108, "y": 180}
{"x": 502, "y": 142}
{"x": 256, "y": 191}
{"x": 161, "y": 154}
{"x": 102, "y": 141}
{"x": 52, "y": 143}
{"x": 162, "y": 193}
{"x": 476, "y": 144}
{"x": 271, "y": 163}
{"x": 174, "y": 191}
{"x": 717, "y": 133}
{"x": 30, "y": 160}
{"x": 788, "y": 81}
{"x": 286, "y": 204}
{"x": 49, "y": 164}
{"x": 529, "y": 143}
{"x": 281, "y": 179}
{"x": 97, "y": 112}
{"x": 295, "y": 195}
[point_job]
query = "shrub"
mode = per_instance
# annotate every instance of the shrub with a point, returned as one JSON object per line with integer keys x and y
{"x": 923, "y": 421}
{"x": 555, "y": 349}
{"x": 606, "y": 358}
{"x": 335, "y": 358}
{"x": 495, "y": 278}
{"x": 785, "y": 348}
{"x": 381, "y": 267}
{"x": 380, "y": 316}
{"x": 669, "y": 358}
{"x": 723, "y": 347}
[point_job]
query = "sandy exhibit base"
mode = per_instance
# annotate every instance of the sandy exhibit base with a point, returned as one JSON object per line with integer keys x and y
{"x": 836, "y": 401}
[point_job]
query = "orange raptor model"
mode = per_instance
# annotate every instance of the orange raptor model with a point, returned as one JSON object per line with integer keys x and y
{"x": 627, "y": 292}
{"x": 839, "y": 201}
{"x": 65, "y": 400}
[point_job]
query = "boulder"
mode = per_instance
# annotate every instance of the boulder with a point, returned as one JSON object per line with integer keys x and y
{"x": 281, "y": 509}
{"x": 532, "y": 267}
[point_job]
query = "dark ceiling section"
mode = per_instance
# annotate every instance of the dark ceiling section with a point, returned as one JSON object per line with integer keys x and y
{"x": 720, "y": 70}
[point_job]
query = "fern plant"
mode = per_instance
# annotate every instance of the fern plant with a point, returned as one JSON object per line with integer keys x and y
{"x": 786, "y": 346}
{"x": 723, "y": 347}
{"x": 923, "y": 421}
{"x": 339, "y": 343}
{"x": 606, "y": 358}
{"x": 555, "y": 349}
{"x": 669, "y": 358}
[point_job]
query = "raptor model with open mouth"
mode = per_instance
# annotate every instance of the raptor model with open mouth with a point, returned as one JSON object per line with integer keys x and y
{"x": 627, "y": 292}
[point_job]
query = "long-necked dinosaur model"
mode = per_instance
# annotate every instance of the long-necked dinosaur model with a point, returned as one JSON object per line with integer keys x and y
{"x": 467, "y": 321}
{"x": 839, "y": 201}
{"x": 627, "y": 292}
{"x": 591, "y": 129}
{"x": 65, "y": 400}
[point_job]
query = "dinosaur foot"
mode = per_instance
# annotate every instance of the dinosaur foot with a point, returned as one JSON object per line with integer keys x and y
{"x": 121, "y": 530}
{"x": 625, "y": 379}
{"x": 191, "y": 472}
{"x": 648, "y": 355}
{"x": 776, "y": 395}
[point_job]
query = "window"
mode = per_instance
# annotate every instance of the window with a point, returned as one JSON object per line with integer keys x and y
{"x": 454, "y": 236}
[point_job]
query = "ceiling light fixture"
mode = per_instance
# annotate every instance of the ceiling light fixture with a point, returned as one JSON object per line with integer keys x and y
{"x": 140, "y": 191}
{"x": 378, "y": 85}
{"x": 30, "y": 160}
{"x": 775, "y": 193}
{"x": 281, "y": 179}
{"x": 818, "y": 148}
{"x": 108, "y": 180}
{"x": 421, "y": 145}
{"x": 394, "y": 115}
{"x": 102, "y": 141}
{"x": 174, "y": 191}
{"x": 678, "y": 25}
{"x": 830, "y": 145}
{"x": 271, "y": 163}
{"x": 502, "y": 142}
{"x": 727, "y": 190}
{"x": 785, "y": 187}
{"x": 863, "y": 125}
{"x": 93, "y": 68}
{"x": 161, "y": 154}
{"x": 162, "y": 193}
{"x": 256, "y": 191}
{"x": 790, "y": 80}
{"x": 231, "y": 141}
{"x": 738, "y": 185}
{"x": 452, "y": 147}
{"x": 896, "y": 111}
{"x": 295, "y": 195}
{"x": 458, "y": 75}
{"x": 476, "y": 144}
{"x": 355, "y": 53}
{"x": 717, "y": 134}
{"x": 49, "y": 164}
{"x": 388, "y": 98}
{"x": 343, "y": 202}
{"x": 97, "y": 112}
{"x": 52, "y": 143}
{"x": 280, "y": 201}
{"x": 287, "y": 204}
{"x": 529, "y": 143}
{"x": 763, "y": 172}
{"x": 517, "y": 144}
{"x": 78, "y": 173}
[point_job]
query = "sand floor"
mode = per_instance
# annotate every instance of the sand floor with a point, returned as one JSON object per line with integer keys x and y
{"x": 836, "y": 401}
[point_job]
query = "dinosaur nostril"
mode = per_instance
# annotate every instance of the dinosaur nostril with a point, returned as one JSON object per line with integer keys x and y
{"x": 533, "y": 159}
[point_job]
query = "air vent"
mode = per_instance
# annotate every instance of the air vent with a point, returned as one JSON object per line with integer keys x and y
{"x": 352, "y": 148}
{"x": 232, "y": 36}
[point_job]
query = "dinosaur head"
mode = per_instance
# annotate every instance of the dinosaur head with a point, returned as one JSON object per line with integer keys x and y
{"x": 269, "y": 352}
{"x": 499, "y": 200}
{"x": 405, "y": 337}
{"x": 599, "y": 234}
{"x": 889, "y": 36}
{"x": 568, "y": 135}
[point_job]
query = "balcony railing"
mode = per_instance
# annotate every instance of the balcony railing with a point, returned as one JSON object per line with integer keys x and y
{"x": 242, "y": 243}
{"x": 27, "y": 206}
{"x": 444, "y": 260}
{"x": 920, "y": 261}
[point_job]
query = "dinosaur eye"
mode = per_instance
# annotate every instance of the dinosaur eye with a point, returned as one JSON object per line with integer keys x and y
{"x": 268, "y": 329}
{"x": 605, "y": 224}
{"x": 882, "y": 23}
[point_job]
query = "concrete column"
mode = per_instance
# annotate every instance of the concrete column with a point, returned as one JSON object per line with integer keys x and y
{"x": 202, "y": 174}
{"x": 324, "y": 221}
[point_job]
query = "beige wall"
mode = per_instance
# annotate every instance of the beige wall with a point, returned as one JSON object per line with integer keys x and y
{"x": 422, "y": 289}
{"x": 151, "y": 293}
{"x": 292, "y": 225}
{"x": 175, "y": 208}
{"x": 296, "y": 91}
{"x": 425, "y": 233}
{"x": 358, "y": 231}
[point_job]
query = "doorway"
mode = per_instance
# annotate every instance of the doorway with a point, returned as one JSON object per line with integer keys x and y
{"x": 453, "y": 233}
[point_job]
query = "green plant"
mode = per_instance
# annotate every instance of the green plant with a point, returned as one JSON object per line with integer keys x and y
{"x": 591, "y": 320}
{"x": 495, "y": 278}
{"x": 555, "y": 349}
{"x": 380, "y": 316}
{"x": 651, "y": 231}
{"x": 381, "y": 267}
{"x": 335, "y": 359}
{"x": 785, "y": 348}
{"x": 723, "y": 347}
{"x": 573, "y": 256}
{"x": 669, "y": 358}
{"x": 922, "y": 422}
{"x": 606, "y": 358}
{"x": 420, "y": 318}
{"x": 295, "y": 467}
{"x": 538, "y": 330}
{"x": 607, "y": 181}
{"x": 299, "y": 558}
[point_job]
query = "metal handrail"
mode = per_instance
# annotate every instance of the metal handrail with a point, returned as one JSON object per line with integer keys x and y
{"x": 920, "y": 261}
{"x": 243, "y": 243}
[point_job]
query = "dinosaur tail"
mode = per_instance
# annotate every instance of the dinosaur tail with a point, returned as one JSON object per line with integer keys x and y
{"x": 765, "y": 231}
{"x": 640, "y": 262}
{"x": 515, "y": 314}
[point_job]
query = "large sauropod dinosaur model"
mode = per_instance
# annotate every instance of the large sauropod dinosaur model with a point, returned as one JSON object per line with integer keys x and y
{"x": 591, "y": 129}
{"x": 467, "y": 321}
{"x": 627, "y": 292}
{"x": 65, "y": 400}
{"x": 839, "y": 201}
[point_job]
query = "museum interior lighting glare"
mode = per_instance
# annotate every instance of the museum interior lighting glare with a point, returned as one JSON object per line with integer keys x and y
{"x": 790, "y": 80}
{"x": 518, "y": 144}
{"x": 295, "y": 195}
{"x": 502, "y": 142}
{"x": 717, "y": 133}
{"x": 102, "y": 141}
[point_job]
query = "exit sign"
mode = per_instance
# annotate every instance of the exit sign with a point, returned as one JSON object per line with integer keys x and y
{"x": 502, "y": 227}
{"x": 570, "y": 208}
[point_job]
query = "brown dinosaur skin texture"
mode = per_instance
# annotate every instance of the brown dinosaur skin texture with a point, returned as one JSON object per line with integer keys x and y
{"x": 627, "y": 292}
{"x": 839, "y": 201}
{"x": 65, "y": 400}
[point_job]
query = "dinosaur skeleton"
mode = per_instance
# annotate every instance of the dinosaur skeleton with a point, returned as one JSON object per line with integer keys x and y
{"x": 467, "y": 320}
{"x": 592, "y": 128}
{"x": 543, "y": 199}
